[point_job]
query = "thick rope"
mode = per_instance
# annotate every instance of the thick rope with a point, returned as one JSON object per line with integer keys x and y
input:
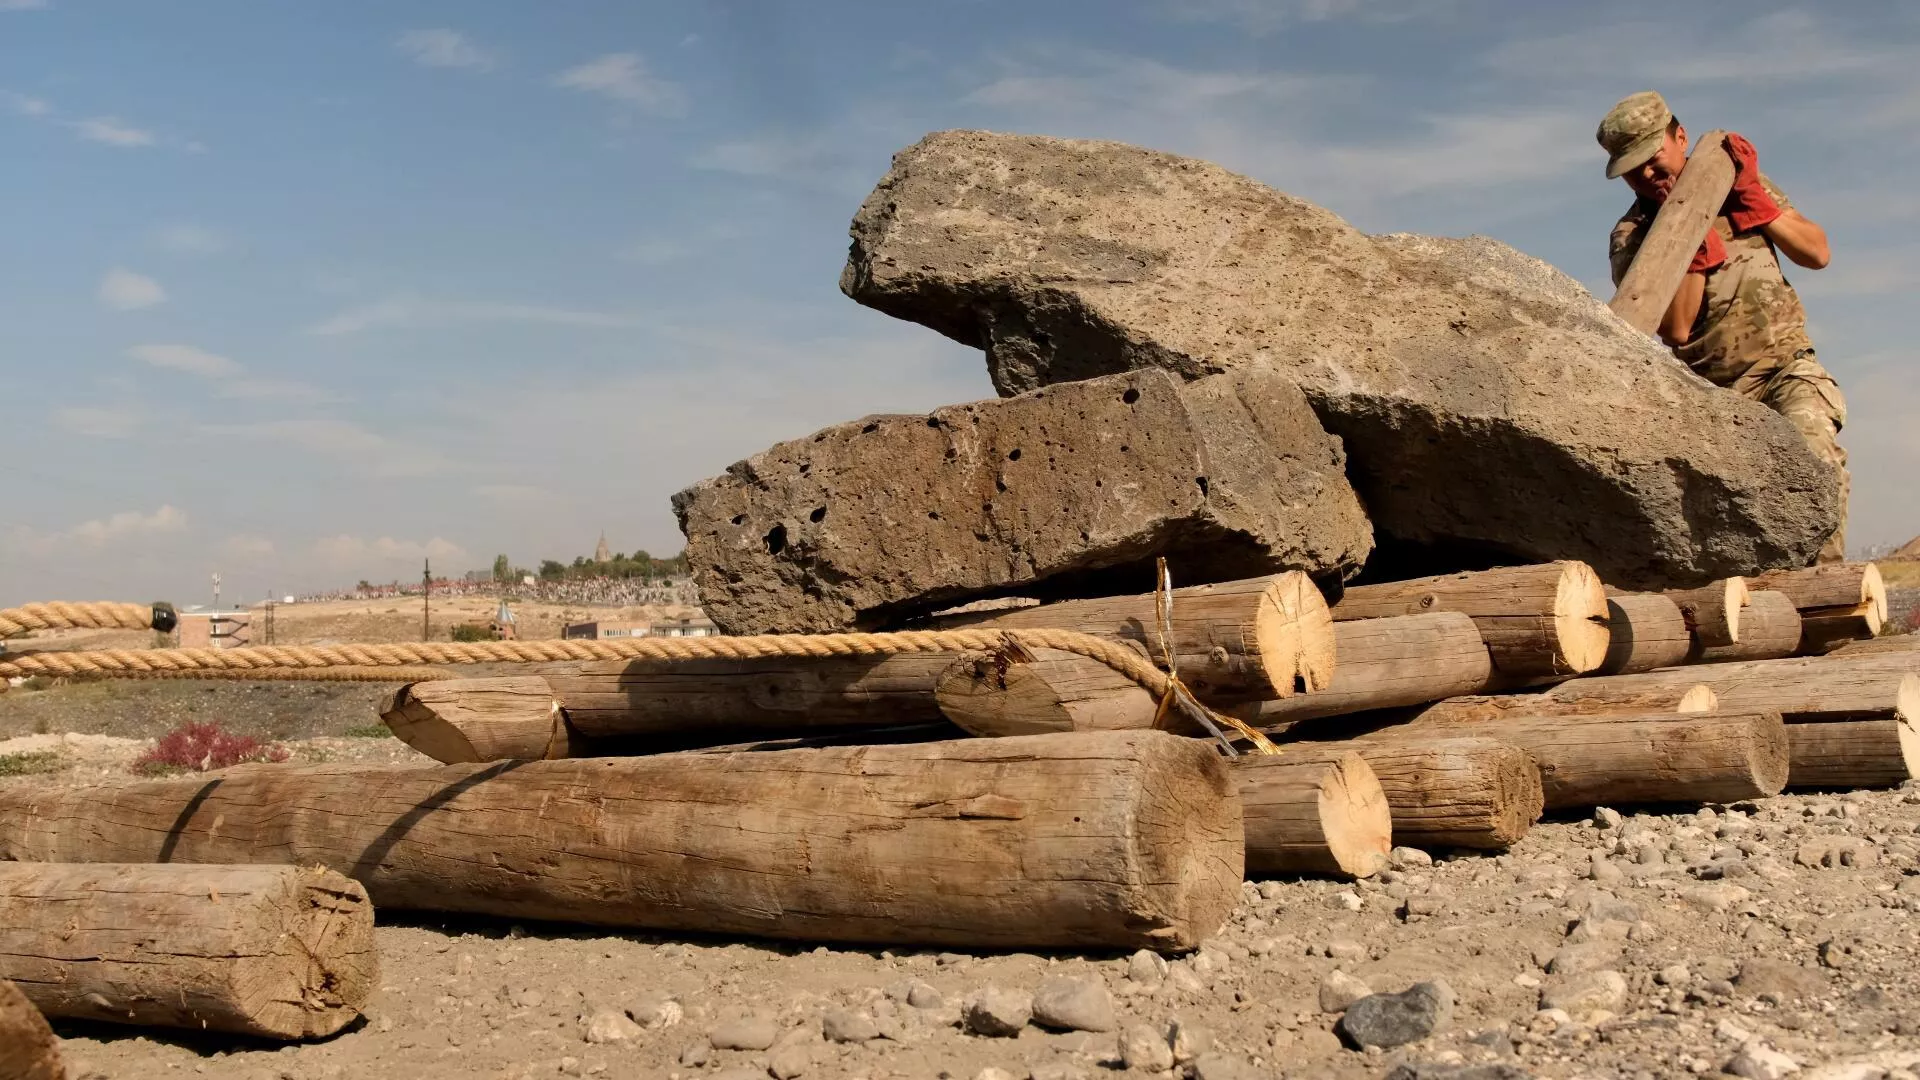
{"x": 99, "y": 615}
{"x": 327, "y": 674}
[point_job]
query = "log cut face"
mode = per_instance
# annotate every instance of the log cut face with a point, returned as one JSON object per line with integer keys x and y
{"x": 1064, "y": 491}
{"x": 1109, "y": 839}
{"x": 1484, "y": 398}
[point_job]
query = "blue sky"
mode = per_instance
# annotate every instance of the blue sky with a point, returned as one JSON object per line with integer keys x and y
{"x": 305, "y": 291}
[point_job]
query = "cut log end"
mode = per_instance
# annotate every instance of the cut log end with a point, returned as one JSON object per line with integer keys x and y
{"x": 1354, "y": 815}
{"x": 1699, "y": 698}
{"x": 1294, "y": 629}
{"x": 468, "y": 720}
{"x": 1314, "y": 812}
{"x": 1580, "y": 618}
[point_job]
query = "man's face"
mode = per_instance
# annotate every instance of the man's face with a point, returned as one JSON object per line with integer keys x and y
{"x": 1654, "y": 179}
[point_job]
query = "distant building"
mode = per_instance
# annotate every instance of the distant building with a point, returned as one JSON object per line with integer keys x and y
{"x": 601, "y": 552}
{"x": 699, "y": 626}
{"x": 600, "y": 629}
{"x": 504, "y": 626}
{"x": 213, "y": 629}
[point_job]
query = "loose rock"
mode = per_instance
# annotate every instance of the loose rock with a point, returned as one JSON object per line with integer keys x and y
{"x": 1585, "y": 993}
{"x": 1145, "y": 1047}
{"x": 610, "y": 1026}
{"x": 1074, "y": 1004}
{"x": 847, "y": 1026}
{"x": 1339, "y": 990}
{"x": 997, "y": 1012}
{"x": 1389, "y": 1020}
{"x": 745, "y": 1033}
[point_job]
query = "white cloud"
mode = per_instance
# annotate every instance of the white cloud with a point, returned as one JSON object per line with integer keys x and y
{"x": 106, "y": 129}
{"x": 27, "y": 106}
{"x": 341, "y": 440}
{"x": 101, "y": 532}
{"x": 406, "y": 312}
{"x": 124, "y": 290}
{"x": 624, "y": 77}
{"x": 187, "y": 358}
{"x": 100, "y": 423}
{"x": 353, "y": 554}
{"x": 443, "y": 48}
{"x": 189, "y": 239}
{"x": 247, "y": 546}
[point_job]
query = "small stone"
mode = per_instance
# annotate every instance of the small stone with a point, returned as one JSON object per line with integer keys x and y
{"x": 1214, "y": 1065}
{"x": 1272, "y": 890}
{"x": 1583, "y": 957}
{"x": 1408, "y": 858}
{"x": 696, "y": 1055}
{"x": 1758, "y": 1061}
{"x": 1339, "y": 990}
{"x": 997, "y": 1012}
{"x": 1601, "y": 869}
{"x": 923, "y": 996}
{"x": 656, "y": 1012}
{"x": 1605, "y": 817}
{"x": 1857, "y": 1070}
{"x": 570, "y": 1066}
{"x": 1436, "y": 1070}
{"x": 1673, "y": 975}
{"x": 1348, "y": 900}
{"x": 1145, "y": 1047}
{"x": 739, "y": 1072}
{"x": 611, "y": 1026}
{"x": 1059, "y": 1070}
{"x": 847, "y": 1026}
{"x": 1836, "y": 852}
{"x": 1390, "y": 1020}
{"x": 1731, "y": 1032}
{"x": 1783, "y": 980}
{"x": 1149, "y": 968}
{"x": 1714, "y": 896}
{"x": 790, "y": 1061}
{"x": 993, "y": 1073}
{"x": 745, "y": 1033}
{"x": 1189, "y": 1040}
{"x": 1067, "y": 1003}
{"x": 1346, "y": 950}
{"x": 1585, "y": 993}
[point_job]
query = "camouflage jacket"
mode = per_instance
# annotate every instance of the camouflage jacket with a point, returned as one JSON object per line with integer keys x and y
{"x": 1751, "y": 322}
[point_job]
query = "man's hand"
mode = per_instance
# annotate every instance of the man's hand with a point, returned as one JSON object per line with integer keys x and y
{"x": 1748, "y": 205}
{"x": 1712, "y": 253}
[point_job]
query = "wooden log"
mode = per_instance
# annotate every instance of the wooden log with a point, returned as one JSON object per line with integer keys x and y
{"x": 1838, "y": 602}
{"x": 28, "y": 1048}
{"x": 1449, "y": 791}
{"x": 1854, "y": 754}
{"x": 1895, "y": 643}
{"x": 623, "y": 707}
{"x": 1494, "y": 709}
{"x": 1713, "y": 612}
{"x": 1104, "y": 839}
{"x": 1769, "y": 630}
{"x": 1616, "y": 758}
{"x": 1543, "y": 620}
{"x": 281, "y": 952}
{"x": 1801, "y": 689}
{"x": 1390, "y": 662}
{"x": 1647, "y": 288}
{"x": 1236, "y": 641}
{"x": 1016, "y": 692}
{"x": 1313, "y": 812}
{"x": 1644, "y": 631}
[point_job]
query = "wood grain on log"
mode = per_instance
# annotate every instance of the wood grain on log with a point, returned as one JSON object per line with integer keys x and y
{"x": 1713, "y": 612}
{"x": 1017, "y": 692}
{"x": 1838, "y": 602}
{"x": 1103, "y": 839}
{"x": 1235, "y": 641}
{"x": 1644, "y": 631}
{"x": 1447, "y": 791}
{"x": 1895, "y": 643}
{"x": 1384, "y": 663}
{"x": 1313, "y": 812}
{"x": 460, "y": 720}
{"x": 1610, "y": 758}
{"x": 1647, "y": 288}
{"x": 28, "y": 1048}
{"x": 281, "y": 952}
{"x": 1801, "y": 689}
{"x": 1543, "y": 620}
{"x": 1494, "y": 709}
{"x": 1769, "y": 630}
{"x": 1854, "y": 754}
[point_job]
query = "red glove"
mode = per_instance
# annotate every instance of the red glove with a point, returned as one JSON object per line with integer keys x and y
{"x": 1711, "y": 254}
{"x": 1748, "y": 205}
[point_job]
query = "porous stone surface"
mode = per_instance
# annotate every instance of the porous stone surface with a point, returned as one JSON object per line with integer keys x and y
{"x": 1066, "y": 490}
{"x": 1490, "y": 406}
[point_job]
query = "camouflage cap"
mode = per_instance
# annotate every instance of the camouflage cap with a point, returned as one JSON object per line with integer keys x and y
{"x": 1632, "y": 131}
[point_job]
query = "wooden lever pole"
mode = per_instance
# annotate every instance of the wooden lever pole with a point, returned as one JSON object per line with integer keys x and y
{"x": 1675, "y": 234}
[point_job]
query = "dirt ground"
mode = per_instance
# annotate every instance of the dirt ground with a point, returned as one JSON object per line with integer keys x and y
{"x": 1785, "y": 926}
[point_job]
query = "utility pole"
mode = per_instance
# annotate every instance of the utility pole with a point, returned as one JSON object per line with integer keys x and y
{"x": 426, "y": 604}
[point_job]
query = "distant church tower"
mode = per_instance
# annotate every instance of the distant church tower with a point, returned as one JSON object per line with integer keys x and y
{"x": 601, "y": 554}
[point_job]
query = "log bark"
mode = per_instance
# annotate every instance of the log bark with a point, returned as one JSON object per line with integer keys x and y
{"x": 1615, "y": 758}
{"x": 1769, "y": 630}
{"x": 1854, "y": 754}
{"x": 280, "y": 952}
{"x": 1313, "y": 812}
{"x": 1543, "y": 620}
{"x": 1449, "y": 792}
{"x": 1236, "y": 641}
{"x": 1713, "y": 612}
{"x": 1390, "y": 662}
{"x": 1103, "y": 839}
{"x": 1494, "y": 709}
{"x": 1014, "y": 692}
{"x": 1644, "y": 631}
{"x": 1801, "y": 689}
{"x": 28, "y": 1048}
{"x": 1897, "y": 643}
{"x": 1647, "y": 288}
{"x": 1838, "y": 602}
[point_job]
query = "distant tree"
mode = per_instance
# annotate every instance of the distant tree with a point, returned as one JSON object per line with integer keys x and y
{"x": 502, "y": 568}
{"x": 552, "y": 570}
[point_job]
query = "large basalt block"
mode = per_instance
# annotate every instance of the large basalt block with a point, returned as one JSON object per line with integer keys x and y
{"x": 1070, "y": 490}
{"x": 1489, "y": 405}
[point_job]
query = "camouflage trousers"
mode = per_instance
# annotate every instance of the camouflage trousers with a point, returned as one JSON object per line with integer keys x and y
{"x": 1803, "y": 392}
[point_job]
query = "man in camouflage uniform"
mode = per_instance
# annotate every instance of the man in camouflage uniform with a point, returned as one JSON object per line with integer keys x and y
{"x": 1735, "y": 320}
